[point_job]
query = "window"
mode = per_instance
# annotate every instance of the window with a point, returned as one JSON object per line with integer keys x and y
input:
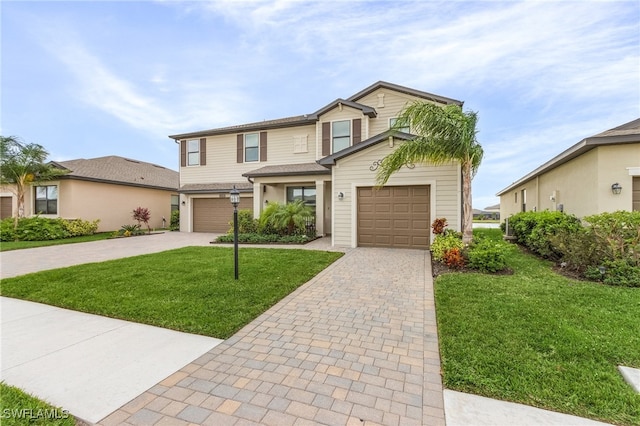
{"x": 47, "y": 199}
{"x": 392, "y": 122}
{"x": 304, "y": 193}
{"x": 193, "y": 152}
{"x": 523, "y": 200}
{"x": 251, "y": 147}
{"x": 341, "y": 135}
{"x": 175, "y": 202}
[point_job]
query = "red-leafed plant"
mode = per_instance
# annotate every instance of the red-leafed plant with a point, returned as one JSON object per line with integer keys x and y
{"x": 453, "y": 258}
{"x": 438, "y": 225}
{"x": 142, "y": 215}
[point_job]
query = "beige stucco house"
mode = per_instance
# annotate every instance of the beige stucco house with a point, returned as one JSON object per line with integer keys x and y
{"x": 329, "y": 159}
{"x": 598, "y": 174}
{"x": 105, "y": 188}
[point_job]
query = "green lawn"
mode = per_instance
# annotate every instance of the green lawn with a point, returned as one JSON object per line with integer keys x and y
{"x": 17, "y": 245}
{"x": 190, "y": 289}
{"x": 541, "y": 339}
{"x": 18, "y": 408}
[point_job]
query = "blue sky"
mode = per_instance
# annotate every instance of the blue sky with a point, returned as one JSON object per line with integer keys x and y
{"x": 87, "y": 79}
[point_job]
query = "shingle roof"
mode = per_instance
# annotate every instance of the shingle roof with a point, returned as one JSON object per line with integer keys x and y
{"x": 120, "y": 171}
{"x": 402, "y": 89}
{"x": 289, "y": 170}
{"x": 366, "y": 110}
{"x": 219, "y": 187}
{"x": 330, "y": 160}
{"x": 626, "y": 133}
{"x": 298, "y": 120}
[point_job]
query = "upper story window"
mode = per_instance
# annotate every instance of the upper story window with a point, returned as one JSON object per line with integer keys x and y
{"x": 46, "y": 199}
{"x": 340, "y": 135}
{"x": 404, "y": 129}
{"x": 193, "y": 152}
{"x": 251, "y": 147}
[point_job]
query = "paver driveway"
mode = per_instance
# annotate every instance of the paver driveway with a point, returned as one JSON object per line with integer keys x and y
{"x": 355, "y": 345}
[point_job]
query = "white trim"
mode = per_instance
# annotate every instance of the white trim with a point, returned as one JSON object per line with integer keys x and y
{"x": 244, "y": 147}
{"x": 634, "y": 171}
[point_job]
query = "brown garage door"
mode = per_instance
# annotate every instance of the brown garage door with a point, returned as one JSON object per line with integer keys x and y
{"x": 636, "y": 194}
{"x": 394, "y": 216}
{"x": 6, "y": 207}
{"x": 214, "y": 214}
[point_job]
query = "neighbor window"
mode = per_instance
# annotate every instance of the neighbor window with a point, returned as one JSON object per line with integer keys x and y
{"x": 251, "y": 147}
{"x": 393, "y": 121}
{"x": 175, "y": 202}
{"x": 341, "y": 135}
{"x": 47, "y": 199}
{"x": 304, "y": 193}
{"x": 193, "y": 152}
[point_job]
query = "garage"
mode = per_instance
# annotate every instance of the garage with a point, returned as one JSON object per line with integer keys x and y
{"x": 214, "y": 214}
{"x": 6, "y": 207}
{"x": 394, "y": 216}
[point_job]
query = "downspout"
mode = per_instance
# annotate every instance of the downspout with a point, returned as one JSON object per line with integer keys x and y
{"x": 249, "y": 179}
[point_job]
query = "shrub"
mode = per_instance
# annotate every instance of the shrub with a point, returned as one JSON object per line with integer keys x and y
{"x": 7, "y": 232}
{"x": 285, "y": 219}
{"x": 254, "y": 238}
{"x": 533, "y": 229}
{"x": 142, "y": 215}
{"x": 438, "y": 225}
{"x": 129, "y": 230}
{"x": 488, "y": 255}
{"x": 445, "y": 242}
{"x": 174, "y": 223}
{"x": 621, "y": 273}
{"x": 246, "y": 223}
{"x": 79, "y": 227}
{"x": 453, "y": 258}
{"x": 578, "y": 249}
{"x": 617, "y": 235}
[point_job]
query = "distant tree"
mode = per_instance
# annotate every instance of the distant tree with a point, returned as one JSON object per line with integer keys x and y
{"x": 443, "y": 134}
{"x": 142, "y": 215}
{"x": 23, "y": 165}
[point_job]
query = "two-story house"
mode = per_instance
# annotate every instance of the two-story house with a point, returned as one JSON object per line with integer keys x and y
{"x": 329, "y": 159}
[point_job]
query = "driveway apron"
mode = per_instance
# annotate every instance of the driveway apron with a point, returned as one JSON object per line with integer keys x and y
{"x": 356, "y": 345}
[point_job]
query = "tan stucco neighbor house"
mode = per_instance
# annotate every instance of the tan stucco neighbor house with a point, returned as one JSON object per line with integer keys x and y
{"x": 328, "y": 159}
{"x": 106, "y": 188}
{"x": 598, "y": 174}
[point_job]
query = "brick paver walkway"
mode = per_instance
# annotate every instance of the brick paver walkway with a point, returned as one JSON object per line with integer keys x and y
{"x": 357, "y": 345}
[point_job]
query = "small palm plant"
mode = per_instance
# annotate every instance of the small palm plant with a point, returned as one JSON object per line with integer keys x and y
{"x": 290, "y": 218}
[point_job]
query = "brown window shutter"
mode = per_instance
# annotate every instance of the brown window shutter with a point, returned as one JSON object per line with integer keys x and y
{"x": 183, "y": 153}
{"x": 357, "y": 130}
{"x": 240, "y": 148}
{"x": 203, "y": 151}
{"x": 263, "y": 146}
{"x": 326, "y": 139}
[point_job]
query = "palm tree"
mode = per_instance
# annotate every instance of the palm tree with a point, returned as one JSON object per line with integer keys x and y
{"x": 443, "y": 135}
{"x": 22, "y": 165}
{"x": 291, "y": 217}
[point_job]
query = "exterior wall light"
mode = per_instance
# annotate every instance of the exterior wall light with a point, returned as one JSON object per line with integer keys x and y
{"x": 340, "y": 195}
{"x": 616, "y": 188}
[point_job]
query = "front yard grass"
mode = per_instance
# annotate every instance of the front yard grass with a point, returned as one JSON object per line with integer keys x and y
{"x": 19, "y": 408}
{"x": 18, "y": 245}
{"x": 540, "y": 339}
{"x": 190, "y": 289}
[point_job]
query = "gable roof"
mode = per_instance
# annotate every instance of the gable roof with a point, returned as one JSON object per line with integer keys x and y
{"x": 330, "y": 160}
{"x": 402, "y": 89}
{"x": 624, "y": 134}
{"x": 307, "y": 119}
{"x": 120, "y": 171}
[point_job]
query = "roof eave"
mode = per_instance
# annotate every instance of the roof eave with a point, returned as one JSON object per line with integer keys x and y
{"x": 239, "y": 129}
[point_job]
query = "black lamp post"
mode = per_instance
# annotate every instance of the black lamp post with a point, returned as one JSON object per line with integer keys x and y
{"x": 234, "y": 197}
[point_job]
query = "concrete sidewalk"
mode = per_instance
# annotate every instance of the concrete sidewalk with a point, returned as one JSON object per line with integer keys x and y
{"x": 88, "y": 364}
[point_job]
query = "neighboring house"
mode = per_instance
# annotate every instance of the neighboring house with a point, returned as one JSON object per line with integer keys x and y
{"x": 599, "y": 174}
{"x": 489, "y": 213}
{"x": 105, "y": 188}
{"x": 328, "y": 159}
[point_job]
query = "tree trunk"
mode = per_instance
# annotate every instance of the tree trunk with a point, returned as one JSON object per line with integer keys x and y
{"x": 467, "y": 207}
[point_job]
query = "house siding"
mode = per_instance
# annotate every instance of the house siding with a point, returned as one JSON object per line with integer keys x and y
{"x": 582, "y": 185}
{"x": 393, "y": 102}
{"x": 354, "y": 171}
{"x": 222, "y": 154}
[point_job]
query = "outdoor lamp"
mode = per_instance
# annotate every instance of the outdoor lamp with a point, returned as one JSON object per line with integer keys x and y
{"x": 340, "y": 195}
{"x": 616, "y": 188}
{"x": 234, "y": 197}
